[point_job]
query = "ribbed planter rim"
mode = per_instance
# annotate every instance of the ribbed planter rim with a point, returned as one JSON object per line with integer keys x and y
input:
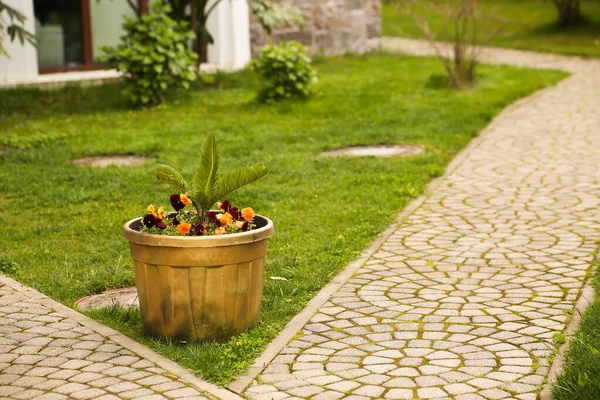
{"x": 147, "y": 239}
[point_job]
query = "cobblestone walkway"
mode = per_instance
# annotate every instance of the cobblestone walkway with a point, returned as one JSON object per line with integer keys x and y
{"x": 462, "y": 300}
{"x": 45, "y": 354}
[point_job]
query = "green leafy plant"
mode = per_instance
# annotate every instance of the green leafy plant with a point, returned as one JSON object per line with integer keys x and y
{"x": 207, "y": 187}
{"x": 284, "y": 70}
{"x": 153, "y": 55}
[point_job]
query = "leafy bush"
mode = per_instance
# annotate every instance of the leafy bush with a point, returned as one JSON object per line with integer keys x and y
{"x": 284, "y": 71}
{"x": 153, "y": 55}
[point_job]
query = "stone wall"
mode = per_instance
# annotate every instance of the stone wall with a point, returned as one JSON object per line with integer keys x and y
{"x": 331, "y": 26}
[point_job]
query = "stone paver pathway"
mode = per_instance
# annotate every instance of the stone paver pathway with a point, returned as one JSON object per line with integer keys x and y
{"x": 462, "y": 300}
{"x": 46, "y": 354}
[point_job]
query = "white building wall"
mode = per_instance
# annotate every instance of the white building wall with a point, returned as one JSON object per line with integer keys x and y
{"x": 229, "y": 25}
{"x": 21, "y": 65}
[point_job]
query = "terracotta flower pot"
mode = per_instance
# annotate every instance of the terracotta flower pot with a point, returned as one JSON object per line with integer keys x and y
{"x": 199, "y": 288}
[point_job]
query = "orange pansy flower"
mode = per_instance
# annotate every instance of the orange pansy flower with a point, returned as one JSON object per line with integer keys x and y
{"x": 226, "y": 219}
{"x": 185, "y": 199}
{"x": 184, "y": 228}
{"x": 248, "y": 214}
{"x": 220, "y": 231}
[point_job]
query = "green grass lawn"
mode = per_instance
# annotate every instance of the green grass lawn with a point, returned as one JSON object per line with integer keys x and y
{"x": 580, "y": 376}
{"x": 521, "y": 24}
{"x": 60, "y": 224}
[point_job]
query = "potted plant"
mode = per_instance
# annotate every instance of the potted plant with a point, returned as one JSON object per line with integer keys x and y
{"x": 199, "y": 272}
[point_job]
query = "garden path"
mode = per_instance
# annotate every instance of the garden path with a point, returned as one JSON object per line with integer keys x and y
{"x": 50, "y": 352}
{"x": 461, "y": 298}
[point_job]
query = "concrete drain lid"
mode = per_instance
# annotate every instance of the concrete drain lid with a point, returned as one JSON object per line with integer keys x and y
{"x": 105, "y": 161}
{"x": 377, "y": 151}
{"x": 126, "y": 298}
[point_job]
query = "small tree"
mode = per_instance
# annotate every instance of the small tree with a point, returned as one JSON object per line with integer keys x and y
{"x": 462, "y": 17}
{"x": 14, "y": 28}
{"x": 569, "y": 11}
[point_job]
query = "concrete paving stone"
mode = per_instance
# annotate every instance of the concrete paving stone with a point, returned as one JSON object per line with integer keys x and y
{"x": 399, "y": 394}
{"x": 459, "y": 388}
{"x": 49, "y": 384}
{"x": 51, "y": 396}
{"x": 27, "y": 381}
{"x": 373, "y": 379}
{"x": 164, "y": 387}
{"x": 495, "y": 394}
{"x": 401, "y": 382}
{"x": 328, "y": 395}
{"x": 180, "y": 393}
{"x": 70, "y": 387}
{"x": 28, "y": 394}
{"x": 431, "y": 393}
{"x": 92, "y": 393}
{"x": 357, "y": 372}
{"x": 370, "y": 391}
{"x": 305, "y": 391}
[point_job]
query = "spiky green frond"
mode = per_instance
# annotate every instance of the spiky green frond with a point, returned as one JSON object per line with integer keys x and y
{"x": 170, "y": 175}
{"x": 206, "y": 173}
{"x": 237, "y": 178}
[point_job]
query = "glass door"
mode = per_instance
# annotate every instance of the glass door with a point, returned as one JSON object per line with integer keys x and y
{"x": 62, "y": 31}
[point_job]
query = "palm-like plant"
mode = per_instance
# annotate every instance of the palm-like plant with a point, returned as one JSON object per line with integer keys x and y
{"x": 208, "y": 184}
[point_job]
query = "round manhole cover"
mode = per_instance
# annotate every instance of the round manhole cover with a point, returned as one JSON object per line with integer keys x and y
{"x": 377, "y": 151}
{"x": 105, "y": 161}
{"x": 127, "y": 298}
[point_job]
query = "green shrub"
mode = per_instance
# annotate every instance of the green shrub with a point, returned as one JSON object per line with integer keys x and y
{"x": 154, "y": 56}
{"x": 284, "y": 71}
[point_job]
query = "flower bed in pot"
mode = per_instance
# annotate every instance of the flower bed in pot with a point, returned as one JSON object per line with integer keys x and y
{"x": 199, "y": 274}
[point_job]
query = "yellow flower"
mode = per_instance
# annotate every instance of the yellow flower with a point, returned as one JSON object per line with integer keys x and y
{"x": 239, "y": 224}
{"x": 248, "y": 214}
{"x": 151, "y": 209}
{"x": 161, "y": 212}
{"x": 185, "y": 199}
{"x": 184, "y": 228}
{"x": 220, "y": 231}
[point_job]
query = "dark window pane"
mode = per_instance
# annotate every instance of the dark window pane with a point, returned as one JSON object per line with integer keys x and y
{"x": 59, "y": 33}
